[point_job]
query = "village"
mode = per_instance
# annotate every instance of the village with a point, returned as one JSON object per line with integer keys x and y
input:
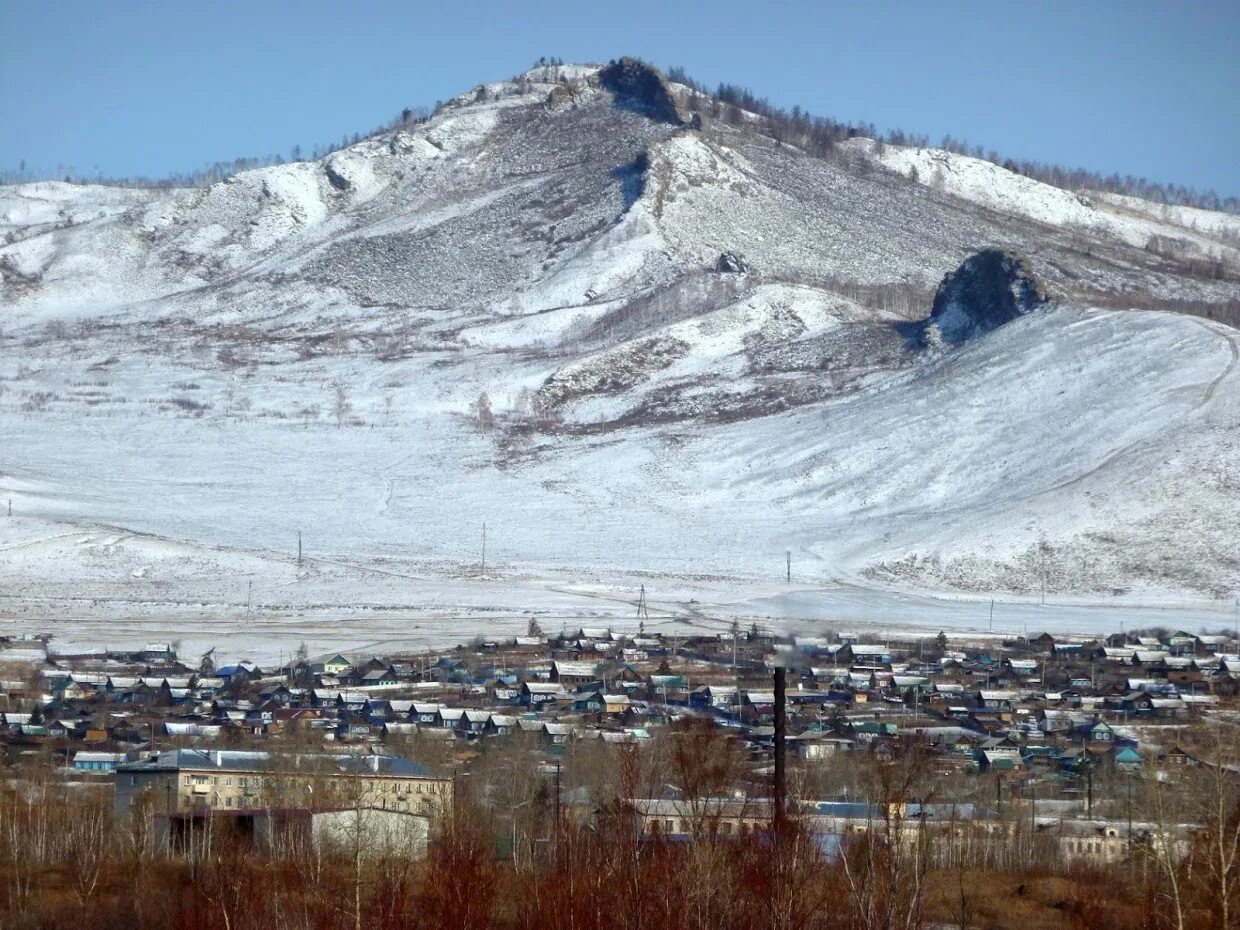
{"x": 1042, "y": 737}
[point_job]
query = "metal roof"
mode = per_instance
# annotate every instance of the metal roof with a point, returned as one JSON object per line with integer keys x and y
{"x": 226, "y": 760}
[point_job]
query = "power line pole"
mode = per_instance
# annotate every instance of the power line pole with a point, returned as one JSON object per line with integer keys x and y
{"x": 484, "y": 547}
{"x": 299, "y": 548}
{"x": 788, "y": 556}
{"x": 736, "y": 634}
{"x": 557, "y": 806}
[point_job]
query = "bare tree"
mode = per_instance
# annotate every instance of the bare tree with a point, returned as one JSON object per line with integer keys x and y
{"x": 482, "y": 413}
{"x": 340, "y": 403}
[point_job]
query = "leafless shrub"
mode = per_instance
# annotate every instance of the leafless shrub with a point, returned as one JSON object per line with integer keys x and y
{"x": 38, "y": 401}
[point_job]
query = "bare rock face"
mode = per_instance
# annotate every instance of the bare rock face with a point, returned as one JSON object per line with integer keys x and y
{"x": 337, "y": 180}
{"x": 989, "y": 289}
{"x": 640, "y": 87}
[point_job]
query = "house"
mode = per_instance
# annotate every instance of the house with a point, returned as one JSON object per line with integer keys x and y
{"x": 424, "y": 713}
{"x": 500, "y": 725}
{"x": 870, "y": 654}
{"x": 537, "y": 693}
{"x": 450, "y": 718}
{"x": 1043, "y": 642}
{"x": 817, "y": 745}
{"x": 572, "y": 674}
{"x": 589, "y": 635}
{"x": 910, "y": 684}
{"x": 1024, "y": 668}
{"x": 588, "y": 702}
{"x": 999, "y": 760}
{"x": 557, "y": 734}
{"x": 1127, "y": 759}
{"x": 616, "y": 703}
{"x": 1066, "y": 649}
{"x": 718, "y": 697}
{"x": 383, "y": 677}
{"x": 667, "y": 688}
{"x": 1097, "y": 732}
{"x": 97, "y": 761}
{"x": 337, "y": 665}
{"x": 158, "y": 652}
{"x": 757, "y": 706}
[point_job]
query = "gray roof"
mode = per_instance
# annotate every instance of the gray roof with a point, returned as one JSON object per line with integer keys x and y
{"x": 226, "y": 760}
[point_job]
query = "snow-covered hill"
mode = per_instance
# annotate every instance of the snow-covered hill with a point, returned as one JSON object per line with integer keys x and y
{"x": 520, "y": 313}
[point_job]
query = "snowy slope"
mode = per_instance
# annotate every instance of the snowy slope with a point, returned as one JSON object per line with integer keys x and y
{"x": 512, "y": 314}
{"x": 1131, "y": 221}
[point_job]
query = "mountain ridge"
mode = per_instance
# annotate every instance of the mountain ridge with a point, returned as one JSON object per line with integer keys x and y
{"x": 518, "y": 313}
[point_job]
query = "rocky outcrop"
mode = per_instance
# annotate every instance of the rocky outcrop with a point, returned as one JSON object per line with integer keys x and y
{"x": 335, "y": 178}
{"x": 989, "y": 289}
{"x": 640, "y": 87}
{"x": 732, "y": 263}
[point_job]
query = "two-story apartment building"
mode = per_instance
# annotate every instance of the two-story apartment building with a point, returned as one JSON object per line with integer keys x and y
{"x": 201, "y": 781}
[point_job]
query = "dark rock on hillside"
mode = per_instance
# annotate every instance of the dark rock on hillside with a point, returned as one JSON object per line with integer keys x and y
{"x": 732, "y": 263}
{"x": 338, "y": 180}
{"x": 640, "y": 87}
{"x": 989, "y": 289}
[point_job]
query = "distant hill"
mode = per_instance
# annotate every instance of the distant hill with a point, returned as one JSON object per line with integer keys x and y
{"x": 640, "y": 336}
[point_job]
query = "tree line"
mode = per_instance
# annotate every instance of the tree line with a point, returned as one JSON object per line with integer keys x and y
{"x": 819, "y": 134}
{"x": 518, "y": 849}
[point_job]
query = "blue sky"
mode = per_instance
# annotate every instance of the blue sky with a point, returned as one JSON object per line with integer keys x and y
{"x": 157, "y": 87}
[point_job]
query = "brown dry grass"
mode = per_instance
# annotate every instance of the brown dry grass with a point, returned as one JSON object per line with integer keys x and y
{"x": 1030, "y": 901}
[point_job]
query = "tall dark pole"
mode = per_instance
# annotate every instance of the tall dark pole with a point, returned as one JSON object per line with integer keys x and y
{"x": 557, "y": 801}
{"x": 1130, "y": 813}
{"x": 781, "y": 745}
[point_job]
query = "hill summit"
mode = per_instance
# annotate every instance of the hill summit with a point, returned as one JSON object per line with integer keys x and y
{"x": 638, "y": 331}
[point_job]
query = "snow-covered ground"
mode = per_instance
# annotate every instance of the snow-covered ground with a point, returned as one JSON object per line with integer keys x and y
{"x": 190, "y": 379}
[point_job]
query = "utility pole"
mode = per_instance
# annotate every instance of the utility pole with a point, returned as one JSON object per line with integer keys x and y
{"x": 1033, "y": 810}
{"x": 484, "y": 547}
{"x": 1129, "y": 780}
{"x": 557, "y": 804}
{"x": 249, "y": 596}
{"x": 299, "y": 548}
{"x": 992, "y": 613}
{"x": 781, "y": 750}
{"x": 788, "y": 556}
